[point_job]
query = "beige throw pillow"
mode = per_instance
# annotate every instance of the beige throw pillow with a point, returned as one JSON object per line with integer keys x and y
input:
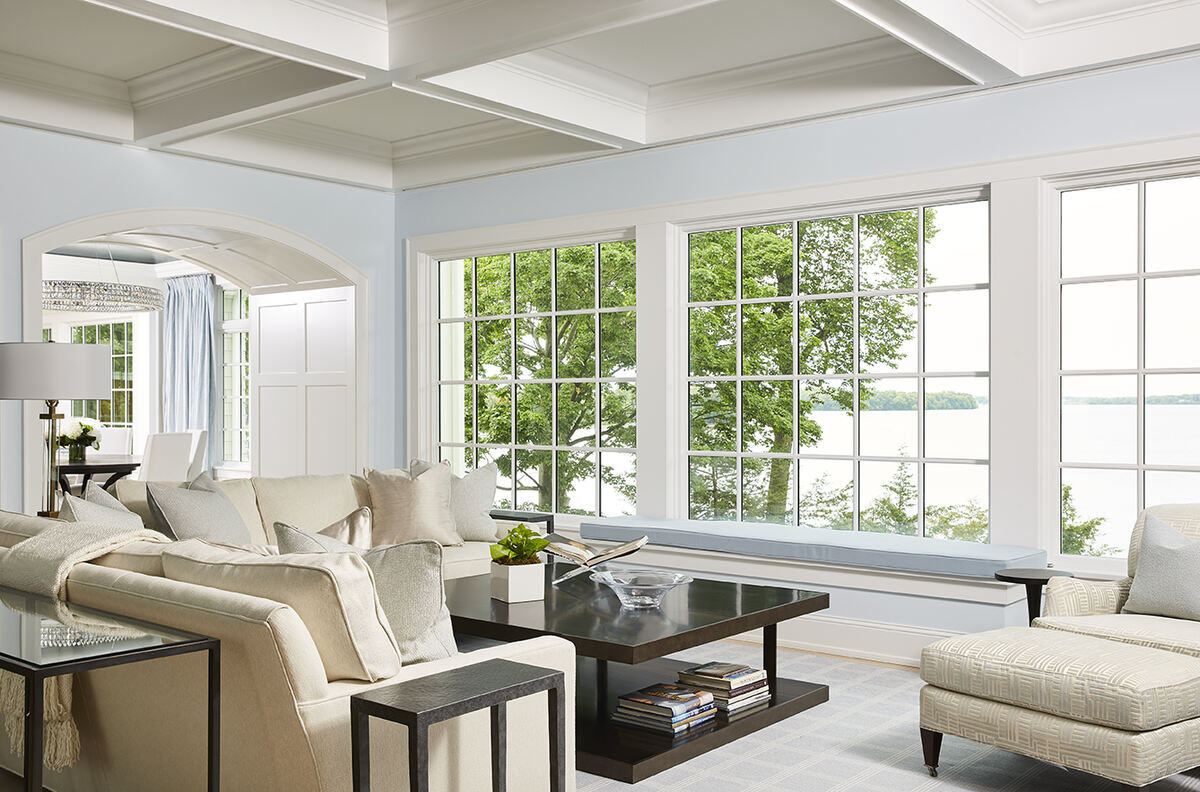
{"x": 352, "y": 532}
{"x": 471, "y": 499}
{"x": 408, "y": 579}
{"x": 333, "y": 593}
{"x": 411, "y": 509}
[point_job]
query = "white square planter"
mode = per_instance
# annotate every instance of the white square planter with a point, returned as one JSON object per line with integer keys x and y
{"x": 523, "y": 583}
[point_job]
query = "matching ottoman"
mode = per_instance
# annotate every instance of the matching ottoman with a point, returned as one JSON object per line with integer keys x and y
{"x": 1125, "y": 712}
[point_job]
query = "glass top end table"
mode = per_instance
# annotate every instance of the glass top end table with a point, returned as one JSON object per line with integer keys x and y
{"x": 42, "y": 638}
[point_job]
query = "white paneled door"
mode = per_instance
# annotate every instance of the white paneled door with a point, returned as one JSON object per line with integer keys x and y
{"x": 302, "y": 379}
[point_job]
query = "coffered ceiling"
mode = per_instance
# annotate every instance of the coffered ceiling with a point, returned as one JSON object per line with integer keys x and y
{"x": 394, "y": 94}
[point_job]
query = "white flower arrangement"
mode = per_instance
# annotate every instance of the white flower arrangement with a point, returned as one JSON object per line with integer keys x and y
{"x": 75, "y": 432}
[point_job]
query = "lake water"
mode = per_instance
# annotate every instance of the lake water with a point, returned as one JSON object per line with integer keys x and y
{"x": 1091, "y": 433}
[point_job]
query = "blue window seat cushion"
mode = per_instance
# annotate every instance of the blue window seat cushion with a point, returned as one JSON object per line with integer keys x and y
{"x": 851, "y": 548}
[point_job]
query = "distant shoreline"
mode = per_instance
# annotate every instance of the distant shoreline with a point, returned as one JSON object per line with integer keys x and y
{"x": 954, "y": 400}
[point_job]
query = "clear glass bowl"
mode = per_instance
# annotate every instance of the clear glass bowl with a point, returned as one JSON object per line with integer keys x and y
{"x": 640, "y": 588}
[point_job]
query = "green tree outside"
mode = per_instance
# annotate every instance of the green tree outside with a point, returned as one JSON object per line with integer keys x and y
{"x": 580, "y": 344}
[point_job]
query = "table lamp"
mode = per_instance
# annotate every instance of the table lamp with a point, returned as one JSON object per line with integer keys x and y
{"x": 49, "y": 372}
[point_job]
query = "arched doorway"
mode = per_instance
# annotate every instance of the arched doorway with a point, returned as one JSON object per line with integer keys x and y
{"x": 275, "y": 265}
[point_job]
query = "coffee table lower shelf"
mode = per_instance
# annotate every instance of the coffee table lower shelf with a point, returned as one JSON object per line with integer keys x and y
{"x": 629, "y": 754}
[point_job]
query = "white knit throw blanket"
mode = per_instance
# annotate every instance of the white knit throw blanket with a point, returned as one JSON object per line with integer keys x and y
{"x": 40, "y": 564}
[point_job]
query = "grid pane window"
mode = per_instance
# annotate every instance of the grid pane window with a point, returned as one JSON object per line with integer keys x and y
{"x": 538, "y": 369}
{"x": 1129, "y": 365}
{"x": 117, "y": 411}
{"x": 838, "y": 372}
{"x": 235, "y": 376}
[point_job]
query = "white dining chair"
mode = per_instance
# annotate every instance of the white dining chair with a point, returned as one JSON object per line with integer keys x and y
{"x": 199, "y": 446}
{"x": 116, "y": 440}
{"x": 168, "y": 457}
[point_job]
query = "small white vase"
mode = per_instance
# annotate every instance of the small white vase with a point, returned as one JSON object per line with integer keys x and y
{"x": 523, "y": 583}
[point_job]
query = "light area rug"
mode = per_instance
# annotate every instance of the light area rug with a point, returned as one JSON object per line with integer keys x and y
{"x": 863, "y": 738}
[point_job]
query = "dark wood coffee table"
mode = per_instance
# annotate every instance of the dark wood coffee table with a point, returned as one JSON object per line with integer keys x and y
{"x": 623, "y": 650}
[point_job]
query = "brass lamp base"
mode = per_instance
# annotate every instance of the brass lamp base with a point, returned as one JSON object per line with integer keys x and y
{"x": 51, "y": 416}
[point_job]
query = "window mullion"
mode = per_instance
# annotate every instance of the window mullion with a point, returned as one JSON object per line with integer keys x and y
{"x": 856, "y": 382}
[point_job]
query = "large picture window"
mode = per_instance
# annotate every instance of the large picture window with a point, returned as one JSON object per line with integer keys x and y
{"x": 118, "y": 410}
{"x": 1129, "y": 370}
{"x": 538, "y": 366}
{"x": 838, "y": 372}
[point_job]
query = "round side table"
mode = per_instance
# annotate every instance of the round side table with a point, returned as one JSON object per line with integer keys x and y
{"x": 1034, "y": 580}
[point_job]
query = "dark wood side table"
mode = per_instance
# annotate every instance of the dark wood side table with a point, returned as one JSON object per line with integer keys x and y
{"x": 50, "y": 642}
{"x": 1034, "y": 581}
{"x": 525, "y": 516}
{"x": 421, "y": 702}
{"x": 116, "y": 466}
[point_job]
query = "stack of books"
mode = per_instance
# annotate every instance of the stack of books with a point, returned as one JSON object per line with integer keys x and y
{"x": 667, "y": 708}
{"x": 735, "y": 688}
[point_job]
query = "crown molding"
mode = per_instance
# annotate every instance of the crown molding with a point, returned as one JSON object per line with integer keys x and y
{"x": 1033, "y": 18}
{"x": 295, "y": 132}
{"x": 567, "y": 73}
{"x": 421, "y": 10}
{"x": 341, "y": 11}
{"x": 195, "y": 74}
{"x": 715, "y": 86}
{"x": 63, "y": 81}
{"x": 461, "y": 139}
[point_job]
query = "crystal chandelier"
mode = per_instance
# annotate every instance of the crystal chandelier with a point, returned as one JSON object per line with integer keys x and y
{"x": 98, "y": 297}
{"x": 94, "y": 296}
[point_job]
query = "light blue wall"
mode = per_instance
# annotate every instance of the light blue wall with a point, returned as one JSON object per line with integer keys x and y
{"x": 47, "y": 179}
{"x": 1119, "y": 106}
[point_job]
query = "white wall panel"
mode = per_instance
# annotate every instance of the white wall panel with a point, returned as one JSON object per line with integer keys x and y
{"x": 280, "y": 429}
{"x": 303, "y": 383}
{"x": 327, "y": 337}
{"x": 327, "y": 450}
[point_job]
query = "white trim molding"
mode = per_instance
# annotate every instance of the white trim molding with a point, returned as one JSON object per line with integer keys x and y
{"x": 34, "y": 245}
{"x": 1024, "y": 341}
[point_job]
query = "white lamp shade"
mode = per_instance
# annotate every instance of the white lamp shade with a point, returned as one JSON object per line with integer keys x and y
{"x": 47, "y": 370}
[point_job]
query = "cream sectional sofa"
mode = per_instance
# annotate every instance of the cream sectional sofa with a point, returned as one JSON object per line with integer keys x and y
{"x": 284, "y": 727}
{"x": 1087, "y": 686}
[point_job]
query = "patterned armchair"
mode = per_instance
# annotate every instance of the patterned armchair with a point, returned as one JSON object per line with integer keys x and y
{"x": 1087, "y": 686}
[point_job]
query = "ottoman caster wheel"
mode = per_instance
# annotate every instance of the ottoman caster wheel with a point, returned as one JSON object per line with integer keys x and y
{"x": 932, "y": 771}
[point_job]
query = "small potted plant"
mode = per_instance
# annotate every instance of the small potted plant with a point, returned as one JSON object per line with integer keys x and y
{"x": 76, "y": 436}
{"x": 518, "y": 574}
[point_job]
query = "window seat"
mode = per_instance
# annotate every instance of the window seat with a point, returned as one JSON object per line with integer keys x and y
{"x": 853, "y": 548}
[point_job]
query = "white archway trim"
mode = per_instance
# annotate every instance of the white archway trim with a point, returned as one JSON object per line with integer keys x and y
{"x": 34, "y": 245}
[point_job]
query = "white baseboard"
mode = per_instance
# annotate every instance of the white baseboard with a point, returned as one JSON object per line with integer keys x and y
{"x": 858, "y": 638}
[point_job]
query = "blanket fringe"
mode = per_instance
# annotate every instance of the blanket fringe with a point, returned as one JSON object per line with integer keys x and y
{"x": 60, "y": 743}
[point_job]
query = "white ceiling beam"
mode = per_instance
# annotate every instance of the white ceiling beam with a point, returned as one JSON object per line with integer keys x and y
{"x": 956, "y": 34}
{"x": 280, "y": 91}
{"x": 463, "y": 34}
{"x": 327, "y": 35}
{"x": 553, "y": 86}
{"x": 565, "y": 127}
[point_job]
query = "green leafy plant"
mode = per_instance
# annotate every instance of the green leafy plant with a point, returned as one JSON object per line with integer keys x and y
{"x": 519, "y": 547}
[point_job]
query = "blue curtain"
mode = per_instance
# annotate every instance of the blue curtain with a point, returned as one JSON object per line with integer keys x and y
{"x": 191, "y": 358}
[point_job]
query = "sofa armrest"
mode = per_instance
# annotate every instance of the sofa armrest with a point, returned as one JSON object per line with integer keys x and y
{"x": 547, "y": 651}
{"x": 457, "y": 747}
{"x": 1074, "y": 597}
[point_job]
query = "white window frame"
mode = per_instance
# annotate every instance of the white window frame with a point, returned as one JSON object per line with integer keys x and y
{"x": 1051, "y": 377}
{"x": 1023, "y": 442}
{"x": 554, "y": 381}
{"x": 920, "y": 375}
{"x": 232, "y": 468}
